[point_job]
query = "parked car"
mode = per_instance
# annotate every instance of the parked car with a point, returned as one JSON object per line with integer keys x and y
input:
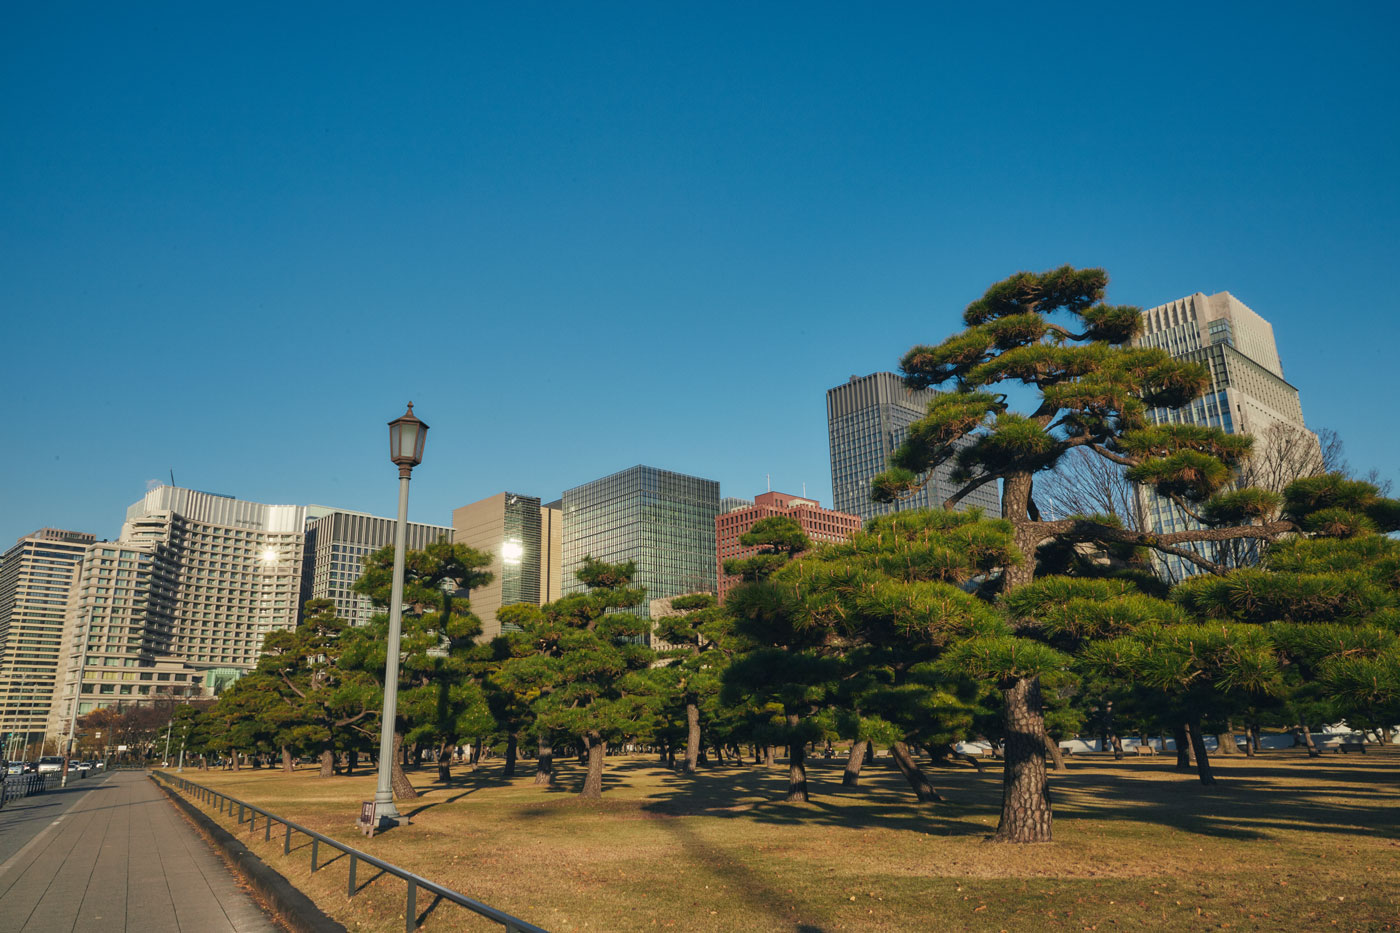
{"x": 14, "y": 767}
{"x": 50, "y": 764}
{"x": 84, "y": 766}
{"x": 99, "y": 765}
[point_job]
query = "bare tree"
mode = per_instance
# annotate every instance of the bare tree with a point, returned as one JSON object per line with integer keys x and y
{"x": 1085, "y": 484}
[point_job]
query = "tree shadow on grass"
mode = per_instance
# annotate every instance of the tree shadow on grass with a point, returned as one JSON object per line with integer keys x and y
{"x": 1252, "y": 799}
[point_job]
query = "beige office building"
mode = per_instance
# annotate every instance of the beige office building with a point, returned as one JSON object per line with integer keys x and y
{"x": 36, "y": 580}
{"x": 1247, "y": 395}
{"x": 525, "y": 541}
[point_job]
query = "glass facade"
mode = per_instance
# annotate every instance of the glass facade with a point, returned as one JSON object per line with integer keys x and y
{"x": 664, "y": 521}
{"x": 520, "y": 551}
{"x": 867, "y": 418}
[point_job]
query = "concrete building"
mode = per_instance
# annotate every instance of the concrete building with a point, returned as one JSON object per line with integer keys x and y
{"x": 1247, "y": 394}
{"x": 823, "y": 526}
{"x": 337, "y": 542}
{"x": 867, "y": 419}
{"x": 523, "y": 538}
{"x": 119, "y": 634}
{"x": 192, "y": 586}
{"x": 36, "y": 580}
{"x": 663, "y": 521}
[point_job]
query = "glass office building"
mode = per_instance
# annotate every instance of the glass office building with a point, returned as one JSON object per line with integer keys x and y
{"x": 662, "y": 520}
{"x": 867, "y": 419}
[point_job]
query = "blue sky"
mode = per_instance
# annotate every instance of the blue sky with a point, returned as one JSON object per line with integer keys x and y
{"x": 235, "y": 241}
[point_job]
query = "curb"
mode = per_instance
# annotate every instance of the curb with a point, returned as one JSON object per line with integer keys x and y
{"x": 297, "y": 911}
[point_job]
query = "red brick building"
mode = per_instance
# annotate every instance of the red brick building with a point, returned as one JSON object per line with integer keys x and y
{"x": 823, "y": 526}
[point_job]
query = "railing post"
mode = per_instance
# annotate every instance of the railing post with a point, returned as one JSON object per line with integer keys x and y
{"x": 350, "y": 886}
{"x": 267, "y": 828}
{"x": 240, "y": 814}
{"x": 287, "y": 841}
{"x": 315, "y": 847}
{"x": 410, "y": 916}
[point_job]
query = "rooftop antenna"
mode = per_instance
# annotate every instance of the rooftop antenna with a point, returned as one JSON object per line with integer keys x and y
{"x": 770, "y": 481}
{"x": 172, "y": 476}
{"x": 804, "y": 490}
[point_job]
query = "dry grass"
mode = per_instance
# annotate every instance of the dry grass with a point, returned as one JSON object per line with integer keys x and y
{"x": 1280, "y": 843}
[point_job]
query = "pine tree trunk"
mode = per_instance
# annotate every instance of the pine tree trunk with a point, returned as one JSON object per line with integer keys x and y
{"x": 692, "y": 734}
{"x": 544, "y": 762}
{"x": 1052, "y": 748}
{"x": 797, "y": 768}
{"x": 476, "y": 753}
{"x": 327, "y": 764}
{"x": 286, "y": 760}
{"x": 1117, "y": 742}
{"x": 854, "y": 761}
{"x": 918, "y": 781}
{"x": 234, "y": 756}
{"x": 1025, "y": 799}
{"x": 1183, "y": 746}
{"x": 1198, "y": 745}
{"x": 352, "y": 761}
{"x": 1225, "y": 741}
{"x": 768, "y": 759}
{"x": 512, "y": 752}
{"x": 398, "y": 781}
{"x": 1254, "y": 737}
{"x": 593, "y": 783}
{"x": 444, "y": 762}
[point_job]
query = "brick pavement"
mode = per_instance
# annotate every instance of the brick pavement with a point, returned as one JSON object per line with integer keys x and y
{"x": 123, "y": 859}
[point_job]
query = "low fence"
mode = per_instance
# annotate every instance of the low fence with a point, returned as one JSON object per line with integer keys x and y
{"x": 23, "y": 785}
{"x": 248, "y": 812}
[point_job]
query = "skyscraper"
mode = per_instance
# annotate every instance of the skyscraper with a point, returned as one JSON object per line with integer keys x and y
{"x": 36, "y": 580}
{"x": 522, "y": 538}
{"x": 1247, "y": 394}
{"x": 867, "y": 419}
{"x": 662, "y": 520}
{"x": 337, "y": 541}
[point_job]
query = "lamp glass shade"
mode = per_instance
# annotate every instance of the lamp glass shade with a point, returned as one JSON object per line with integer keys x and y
{"x": 407, "y": 435}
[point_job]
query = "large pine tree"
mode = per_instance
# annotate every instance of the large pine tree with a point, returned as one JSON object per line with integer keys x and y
{"x": 1052, "y": 335}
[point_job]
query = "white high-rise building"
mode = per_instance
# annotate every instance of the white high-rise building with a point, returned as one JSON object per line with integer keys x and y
{"x": 189, "y": 590}
{"x": 1247, "y": 394}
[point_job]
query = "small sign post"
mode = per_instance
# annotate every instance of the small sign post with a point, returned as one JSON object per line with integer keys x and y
{"x": 366, "y": 822}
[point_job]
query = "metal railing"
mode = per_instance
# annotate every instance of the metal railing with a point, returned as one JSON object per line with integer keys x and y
{"x": 23, "y": 785}
{"x": 223, "y": 803}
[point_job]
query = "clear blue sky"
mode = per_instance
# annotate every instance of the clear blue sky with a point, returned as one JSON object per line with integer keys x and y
{"x": 235, "y": 240}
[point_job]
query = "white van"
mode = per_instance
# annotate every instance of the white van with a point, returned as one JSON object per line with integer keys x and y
{"x": 50, "y": 764}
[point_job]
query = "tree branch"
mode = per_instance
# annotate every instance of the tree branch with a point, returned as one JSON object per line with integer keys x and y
{"x": 978, "y": 483}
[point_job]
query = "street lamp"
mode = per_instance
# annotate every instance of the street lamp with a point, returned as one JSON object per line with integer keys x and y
{"x": 406, "y": 437}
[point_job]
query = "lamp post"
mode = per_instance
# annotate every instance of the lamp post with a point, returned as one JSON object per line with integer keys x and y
{"x": 406, "y": 437}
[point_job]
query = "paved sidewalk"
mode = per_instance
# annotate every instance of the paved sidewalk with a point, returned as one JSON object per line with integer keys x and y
{"x": 123, "y": 859}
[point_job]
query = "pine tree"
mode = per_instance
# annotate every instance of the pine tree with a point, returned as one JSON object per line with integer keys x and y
{"x": 1091, "y": 392}
{"x": 439, "y": 700}
{"x": 584, "y": 660}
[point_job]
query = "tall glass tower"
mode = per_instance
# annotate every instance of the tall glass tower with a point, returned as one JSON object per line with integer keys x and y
{"x": 867, "y": 418}
{"x": 662, "y": 520}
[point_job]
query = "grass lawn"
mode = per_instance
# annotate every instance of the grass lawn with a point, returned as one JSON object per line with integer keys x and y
{"x": 1280, "y": 843}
